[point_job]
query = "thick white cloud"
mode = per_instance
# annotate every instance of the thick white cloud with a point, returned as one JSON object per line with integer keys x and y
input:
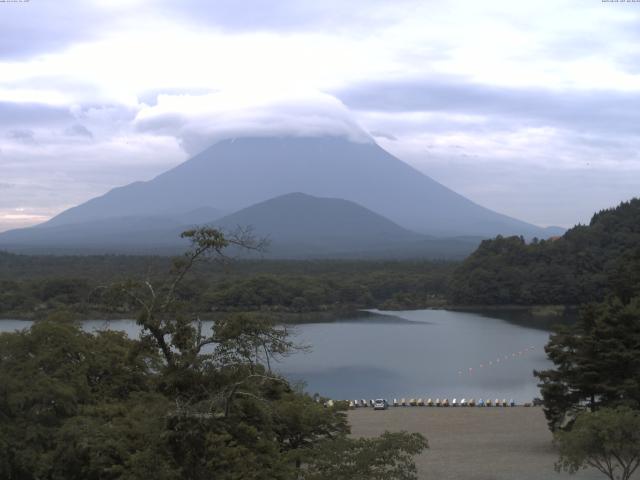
{"x": 200, "y": 120}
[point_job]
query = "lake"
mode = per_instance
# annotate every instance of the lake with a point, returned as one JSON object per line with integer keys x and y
{"x": 418, "y": 353}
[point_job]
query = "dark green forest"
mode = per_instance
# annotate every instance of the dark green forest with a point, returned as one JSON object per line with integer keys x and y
{"x": 80, "y": 405}
{"x": 75, "y": 405}
{"x": 33, "y": 286}
{"x": 597, "y": 362}
{"x": 585, "y": 265}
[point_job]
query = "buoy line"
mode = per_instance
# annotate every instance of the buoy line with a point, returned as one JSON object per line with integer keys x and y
{"x": 498, "y": 360}
{"x": 439, "y": 403}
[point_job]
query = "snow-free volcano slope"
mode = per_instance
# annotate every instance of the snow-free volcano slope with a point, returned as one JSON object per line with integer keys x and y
{"x": 236, "y": 173}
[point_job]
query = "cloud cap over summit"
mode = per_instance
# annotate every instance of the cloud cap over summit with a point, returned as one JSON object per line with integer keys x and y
{"x": 200, "y": 120}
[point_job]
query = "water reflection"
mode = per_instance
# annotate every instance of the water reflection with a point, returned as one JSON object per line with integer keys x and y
{"x": 531, "y": 317}
{"x": 422, "y": 353}
{"x": 425, "y": 353}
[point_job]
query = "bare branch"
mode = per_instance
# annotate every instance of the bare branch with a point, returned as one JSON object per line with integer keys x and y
{"x": 150, "y": 287}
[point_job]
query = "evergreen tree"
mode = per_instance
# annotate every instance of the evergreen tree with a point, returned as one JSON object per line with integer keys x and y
{"x": 597, "y": 362}
{"x": 586, "y": 264}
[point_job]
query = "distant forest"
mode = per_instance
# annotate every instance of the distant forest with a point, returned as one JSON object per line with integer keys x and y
{"x": 585, "y": 265}
{"x": 34, "y": 286}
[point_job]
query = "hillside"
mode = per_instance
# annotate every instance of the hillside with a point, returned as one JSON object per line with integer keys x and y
{"x": 124, "y": 234}
{"x": 303, "y": 226}
{"x": 301, "y": 217}
{"x": 131, "y": 234}
{"x": 297, "y": 226}
{"x": 237, "y": 173}
{"x": 584, "y": 265}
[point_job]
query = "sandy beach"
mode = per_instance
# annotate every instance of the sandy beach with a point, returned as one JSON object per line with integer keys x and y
{"x": 473, "y": 443}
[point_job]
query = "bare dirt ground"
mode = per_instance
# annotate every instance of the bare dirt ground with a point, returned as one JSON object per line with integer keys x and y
{"x": 473, "y": 443}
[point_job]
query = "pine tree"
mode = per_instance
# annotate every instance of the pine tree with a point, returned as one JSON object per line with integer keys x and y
{"x": 597, "y": 362}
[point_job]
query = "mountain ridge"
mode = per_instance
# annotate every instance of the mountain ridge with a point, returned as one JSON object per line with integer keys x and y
{"x": 298, "y": 226}
{"x": 234, "y": 174}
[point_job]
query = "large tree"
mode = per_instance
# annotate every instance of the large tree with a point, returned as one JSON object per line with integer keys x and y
{"x": 180, "y": 402}
{"x": 597, "y": 362}
{"x": 607, "y": 440}
{"x": 386, "y": 457}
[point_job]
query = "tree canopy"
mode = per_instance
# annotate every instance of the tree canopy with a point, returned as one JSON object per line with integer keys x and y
{"x": 33, "y": 287}
{"x": 586, "y": 264}
{"x": 78, "y": 405}
{"x": 597, "y": 362}
{"x": 607, "y": 440}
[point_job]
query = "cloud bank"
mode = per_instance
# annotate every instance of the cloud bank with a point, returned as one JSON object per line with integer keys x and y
{"x": 200, "y": 120}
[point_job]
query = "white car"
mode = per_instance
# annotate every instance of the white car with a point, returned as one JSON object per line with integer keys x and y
{"x": 380, "y": 404}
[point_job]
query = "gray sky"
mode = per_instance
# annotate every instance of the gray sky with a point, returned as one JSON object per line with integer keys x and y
{"x": 529, "y": 108}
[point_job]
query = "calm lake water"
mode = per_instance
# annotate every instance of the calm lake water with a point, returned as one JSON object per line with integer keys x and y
{"x": 419, "y": 353}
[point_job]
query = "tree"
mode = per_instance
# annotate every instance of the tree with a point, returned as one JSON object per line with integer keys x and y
{"x": 300, "y": 423}
{"x": 388, "y": 457}
{"x": 608, "y": 440}
{"x": 597, "y": 362}
{"x": 586, "y": 264}
{"x": 177, "y": 403}
{"x": 165, "y": 322}
{"x": 54, "y": 376}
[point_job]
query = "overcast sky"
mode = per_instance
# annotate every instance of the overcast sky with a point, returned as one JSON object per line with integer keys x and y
{"x": 531, "y": 108}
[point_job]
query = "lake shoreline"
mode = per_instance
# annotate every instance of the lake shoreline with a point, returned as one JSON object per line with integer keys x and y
{"x": 400, "y": 354}
{"x": 287, "y": 318}
{"x": 327, "y": 316}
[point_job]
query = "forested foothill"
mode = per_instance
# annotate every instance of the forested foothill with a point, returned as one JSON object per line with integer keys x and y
{"x": 591, "y": 395}
{"x": 585, "y": 265}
